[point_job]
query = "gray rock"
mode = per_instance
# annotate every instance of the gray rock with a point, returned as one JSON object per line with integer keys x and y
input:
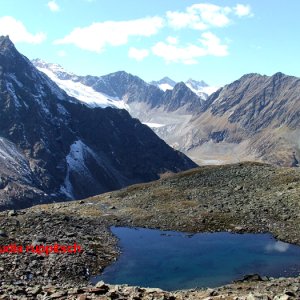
{"x": 11, "y": 213}
{"x": 3, "y": 234}
{"x": 58, "y": 294}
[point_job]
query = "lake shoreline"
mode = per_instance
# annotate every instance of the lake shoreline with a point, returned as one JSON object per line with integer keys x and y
{"x": 208, "y": 199}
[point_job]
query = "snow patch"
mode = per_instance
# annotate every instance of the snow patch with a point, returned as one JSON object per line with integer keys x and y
{"x": 165, "y": 86}
{"x": 210, "y": 89}
{"x": 201, "y": 88}
{"x": 76, "y": 163}
{"x": 154, "y": 125}
{"x": 84, "y": 93}
{"x": 51, "y": 85}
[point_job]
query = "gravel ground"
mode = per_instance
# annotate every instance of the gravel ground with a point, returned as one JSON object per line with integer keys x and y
{"x": 247, "y": 197}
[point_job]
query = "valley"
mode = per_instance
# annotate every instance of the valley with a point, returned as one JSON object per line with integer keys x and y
{"x": 253, "y": 118}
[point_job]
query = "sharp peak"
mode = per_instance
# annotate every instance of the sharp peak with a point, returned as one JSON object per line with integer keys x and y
{"x": 180, "y": 84}
{"x": 5, "y": 39}
{"x": 166, "y": 78}
{"x": 194, "y": 80}
{"x": 41, "y": 61}
{"x": 6, "y": 43}
{"x": 122, "y": 73}
{"x": 279, "y": 74}
{"x": 250, "y": 75}
{"x": 55, "y": 67}
{"x": 118, "y": 73}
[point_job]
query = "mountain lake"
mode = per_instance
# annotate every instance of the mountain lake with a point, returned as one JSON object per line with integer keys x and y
{"x": 174, "y": 260}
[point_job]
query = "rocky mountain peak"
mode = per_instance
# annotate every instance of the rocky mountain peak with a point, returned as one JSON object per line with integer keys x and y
{"x": 256, "y": 102}
{"x": 279, "y": 76}
{"x": 6, "y": 44}
{"x": 122, "y": 77}
{"x": 250, "y": 76}
{"x": 8, "y": 53}
{"x": 167, "y": 80}
{"x": 182, "y": 96}
{"x": 119, "y": 75}
{"x": 41, "y": 63}
{"x": 164, "y": 84}
{"x": 196, "y": 84}
{"x": 56, "y": 69}
{"x": 180, "y": 85}
{"x": 54, "y": 147}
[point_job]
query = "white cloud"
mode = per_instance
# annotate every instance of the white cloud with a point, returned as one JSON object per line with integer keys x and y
{"x": 210, "y": 14}
{"x": 138, "y": 54}
{"x": 18, "y": 32}
{"x": 172, "y": 40}
{"x": 209, "y": 44}
{"x": 53, "y": 6}
{"x": 213, "y": 45}
{"x": 203, "y": 16}
{"x": 98, "y": 35}
{"x": 242, "y": 10}
{"x": 172, "y": 53}
{"x": 278, "y": 246}
{"x": 180, "y": 20}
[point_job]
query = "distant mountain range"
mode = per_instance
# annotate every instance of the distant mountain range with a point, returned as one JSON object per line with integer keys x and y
{"x": 121, "y": 90}
{"x": 164, "y": 84}
{"x": 253, "y": 118}
{"x": 53, "y": 147}
{"x": 200, "y": 88}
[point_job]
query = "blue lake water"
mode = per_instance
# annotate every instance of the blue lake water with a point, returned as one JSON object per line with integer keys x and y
{"x": 173, "y": 260}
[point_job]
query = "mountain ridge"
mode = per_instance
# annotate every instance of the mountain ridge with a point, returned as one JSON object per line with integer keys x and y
{"x": 247, "y": 117}
{"x": 68, "y": 149}
{"x": 261, "y": 111}
{"x": 125, "y": 88}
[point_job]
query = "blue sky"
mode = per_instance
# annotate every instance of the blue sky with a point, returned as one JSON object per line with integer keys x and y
{"x": 215, "y": 41}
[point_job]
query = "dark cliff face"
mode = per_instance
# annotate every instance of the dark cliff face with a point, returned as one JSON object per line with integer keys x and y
{"x": 258, "y": 102}
{"x": 63, "y": 149}
{"x": 182, "y": 96}
{"x": 262, "y": 111}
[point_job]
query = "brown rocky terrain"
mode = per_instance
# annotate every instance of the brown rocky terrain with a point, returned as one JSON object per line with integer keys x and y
{"x": 247, "y": 197}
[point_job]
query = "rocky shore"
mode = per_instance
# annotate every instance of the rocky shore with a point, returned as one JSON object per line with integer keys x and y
{"x": 275, "y": 289}
{"x": 246, "y": 197}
